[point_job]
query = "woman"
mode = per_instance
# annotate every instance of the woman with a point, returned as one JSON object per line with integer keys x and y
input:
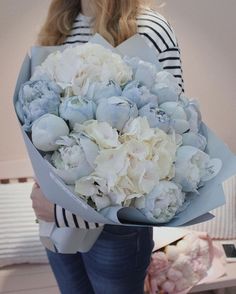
{"x": 118, "y": 261}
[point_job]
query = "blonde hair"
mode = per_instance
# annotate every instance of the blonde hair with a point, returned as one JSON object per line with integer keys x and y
{"x": 115, "y": 20}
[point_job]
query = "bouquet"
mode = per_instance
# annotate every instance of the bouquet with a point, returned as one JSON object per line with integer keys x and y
{"x": 112, "y": 138}
{"x": 181, "y": 265}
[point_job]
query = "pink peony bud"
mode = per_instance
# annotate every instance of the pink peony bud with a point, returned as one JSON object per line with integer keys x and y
{"x": 174, "y": 275}
{"x": 168, "y": 286}
{"x": 182, "y": 284}
{"x": 159, "y": 262}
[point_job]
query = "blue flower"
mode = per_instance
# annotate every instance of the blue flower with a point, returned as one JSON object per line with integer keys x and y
{"x": 35, "y": 99}
{"x": 77, "y": 110}
{"x": 116, "y": 111}
{"x": 140, "y": 95}
{"x": 97, "y": 91}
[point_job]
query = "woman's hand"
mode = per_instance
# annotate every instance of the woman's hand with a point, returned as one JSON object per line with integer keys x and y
{"x": 44, "y": 210}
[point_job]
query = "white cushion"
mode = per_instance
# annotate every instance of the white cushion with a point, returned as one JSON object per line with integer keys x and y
{"x": 19, "y": 238}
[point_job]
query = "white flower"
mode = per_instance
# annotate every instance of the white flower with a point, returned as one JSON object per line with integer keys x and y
{"x": 47, "y": 69}
{"x": 112, "y": 164}
{"x": 77, "y": 110}
{"x": 79, "y": 66}
{"x": 137, "y": 149}
{"x": 163, "y": 153}
{"x": 74, "y": 157}
{"x": 138, "y": 129}
{"x": 93, "y": 188}
{"x": 191, "y": 167}
{"x": 116, "y": 111}
{"x": 117, "y": 196}
{"x": 162, "y": 203}
{"x": 46, "y": 130}
{"x": 103, "y": 134}
{"x": 144, "y": 174}
{"x": 127, "y": 185}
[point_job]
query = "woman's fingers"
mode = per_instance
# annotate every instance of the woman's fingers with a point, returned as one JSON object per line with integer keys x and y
{"x": 43, "y": 208}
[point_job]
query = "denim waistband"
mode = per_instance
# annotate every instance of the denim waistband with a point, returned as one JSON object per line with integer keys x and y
{"x": 122, "y": 229}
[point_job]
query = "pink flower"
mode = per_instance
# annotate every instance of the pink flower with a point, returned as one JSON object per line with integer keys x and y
{"x": 174, "y": 275}
{"x": 159, "y": 263}
{"x": 168, "y": 286}
{"x": 182, "y": 284}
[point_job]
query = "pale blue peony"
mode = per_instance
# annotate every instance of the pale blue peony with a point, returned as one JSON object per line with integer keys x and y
{"x": 144, "y": 72}
{"x": 193, "y": 113}
{"x": 116, "y": 111}
{"x": 133, "y": 62}
{"x": 77, "y": 110}
{"x": 191, "y": 167}
{"x": 139, "y": 94}
{"x": 178, "y": 118}
{"x": 162, "y": 203}
{"x": 168, "y": 116}
{"x": 35, "y": 99}
{"x": 46, "y": 130}
{"x": 166, "y": 87}
{"x": 195, "y": 140}
{"x": 97, "y": 91}
{"x": 157, "y": 118}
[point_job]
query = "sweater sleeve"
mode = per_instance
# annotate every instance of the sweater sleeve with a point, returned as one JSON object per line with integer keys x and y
{"x": 64, "y": 218}
{"x": 158, "y": 34}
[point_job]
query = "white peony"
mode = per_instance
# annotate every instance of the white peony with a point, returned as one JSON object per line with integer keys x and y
{"x": 93, "y": 189}
{"x": 163, "y": 153}
{"x": 79, "y": 66}
{"x": 101, "y": 132}
{"x": 112, "y": 164}
{"x": 144, "y": 174}
{"x": 139, "y": 129}
{"x": 74, "y": 158}
{"x": 137, "y": 149}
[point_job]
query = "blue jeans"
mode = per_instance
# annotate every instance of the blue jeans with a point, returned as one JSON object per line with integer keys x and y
{"x": 116, "y": 264}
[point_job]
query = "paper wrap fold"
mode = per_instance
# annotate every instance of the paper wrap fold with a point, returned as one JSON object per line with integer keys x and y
{"x": 211, "y": 195}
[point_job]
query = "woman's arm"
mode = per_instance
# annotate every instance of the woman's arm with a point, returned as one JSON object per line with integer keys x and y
{"x": 64, "y": 218}
{"x": 49, "y": 212}
{"x": 158, "y": 34}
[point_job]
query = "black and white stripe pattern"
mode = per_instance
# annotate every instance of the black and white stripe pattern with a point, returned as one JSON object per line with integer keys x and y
{"x": 64, "y": 218}
{"x": 157, "y": 33}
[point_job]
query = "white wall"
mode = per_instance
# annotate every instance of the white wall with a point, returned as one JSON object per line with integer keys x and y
{"x": 206, "y": 34}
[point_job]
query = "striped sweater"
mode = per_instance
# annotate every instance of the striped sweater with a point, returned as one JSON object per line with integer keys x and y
{"x": 158, "y": 33}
